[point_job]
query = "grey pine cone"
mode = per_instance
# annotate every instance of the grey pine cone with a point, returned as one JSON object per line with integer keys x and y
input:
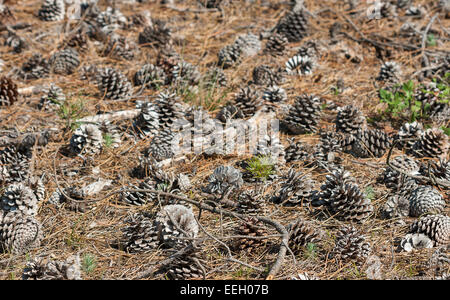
{"x": 303, "y": 115}
{"x": 425, "y": 200}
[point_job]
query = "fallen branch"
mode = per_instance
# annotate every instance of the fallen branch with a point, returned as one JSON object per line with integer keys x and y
{"x": 115, "y": 116}
{"x": 27, "y": 139}
{"x": 424, "y": 39}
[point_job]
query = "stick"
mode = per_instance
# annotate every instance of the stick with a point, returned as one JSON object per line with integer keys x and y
{"x": 115, "y": 116}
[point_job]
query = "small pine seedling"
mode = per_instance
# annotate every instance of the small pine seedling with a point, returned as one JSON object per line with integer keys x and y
{"x": 89, "y": 263}
{"x": 261, "y": 166}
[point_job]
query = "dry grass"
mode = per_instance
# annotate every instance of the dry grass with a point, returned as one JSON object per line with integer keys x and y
{"x": 199, "y": 37}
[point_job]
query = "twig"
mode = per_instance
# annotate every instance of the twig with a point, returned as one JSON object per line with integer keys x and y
{"x": 230, "y": 256}
{"x": 424, "y": 38}
{"x": 149, "y": 272}
{"x": 115, "y": 116}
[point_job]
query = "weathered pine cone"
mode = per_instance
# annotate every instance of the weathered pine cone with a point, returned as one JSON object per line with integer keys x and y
{"x": 425, "y": 200}
{"x": 21, "y": 198}
{"x": 42, "y": 269}
{"x": 350, "y": 245}
{"x": 8, "y": 91}
{"x": 436, "y": 227}
{"x": 301, "y": 233}
{"x": 304, "y": 114}
{"x": 19, "y": 233}
{"x": 223, "y": 178}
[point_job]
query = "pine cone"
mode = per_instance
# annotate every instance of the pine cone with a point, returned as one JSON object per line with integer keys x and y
{"x": 425, "y": 200}
{"x": 265, "y": 75}
{"x": 408, "y": 131}
{"x": 38, "y": 187}
{"x": 406, "y": 185}
{"x": 140, "y": 198}
{"x": 270, "y": 148}
{"x": 371, "y": 143}
{"x": 167, "y": 59}
{"x": 434, "y": 102}
{"x": 296, "y": 151}
{"x": 392, "y": 179}
{"x": 169, "y": 232}
{"x": 110, "y": 17}
{"x": 21, "y": 198}
{"x": 169, "y": 110}
{"x": 436, "y": 227}
{"x": 41, "y": 269}
{"x": 293, "y": 25}
{"x": 141, "y": 234}
{"x": 300, "y": 65}
{"x": 147, "y": 122}
{"x": 139, "y": 19}
{"x": 328, "y": 190}
{"x": 229, "y": 112}
{"x": 250, "y": 227}
{"x": 440, "y": 170}
{"x": 276, "y": 45}
{"x": 432, "y": 143}
{"x": 249, "y": 202}
{"x": 301, "y": 233}
{"x": 296, "y": 189}
{"x": 52, "y": 10}
{"x": 395, "y": 206}
{"x": 78, "y": 41}
{"x": 274, "y": 95}
{"x": 348, "y": 203}
{"x": 89, "y": 72}
{"x": 415, "y": 241}
{"x": 119, "y": 47}
{"x": 248, "y": 101}
{"x": 19, "y": 233}
{"x": 157, "y": 36}
{"x": 161, "y": 147}
{"x": 185, "y": 267}
{"x": 113, "y": 85}
{"x": 223, "y": 178}
{"x": 389, "y": 72}
{"x": 149, "y": 167}
{"x": 14, "y": 172}
{"x": 229, "y": 56}
{"x": 330, "y": 144}
{"x": 64, "y": 62}
{"x": 35, "y": 67}
{"x": 14, "y": 165}
{"x": 304, "y": 115}
{"x": 250, "y": 44}
{"x": 350, "y": 245}
{"x": 87, "y": 139}
{"x": 185, "y": 74}
{"x": 54, "y": 96}
{"x": 198, "y": 121}
{"x": 111, "y": 133}
{"x": 17, "y": 43}
{"x": 310, "y": 49}
{"x": 8, "y": 91}
{"x": 151, "y": 76}
{"x": 349, "y": 120}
